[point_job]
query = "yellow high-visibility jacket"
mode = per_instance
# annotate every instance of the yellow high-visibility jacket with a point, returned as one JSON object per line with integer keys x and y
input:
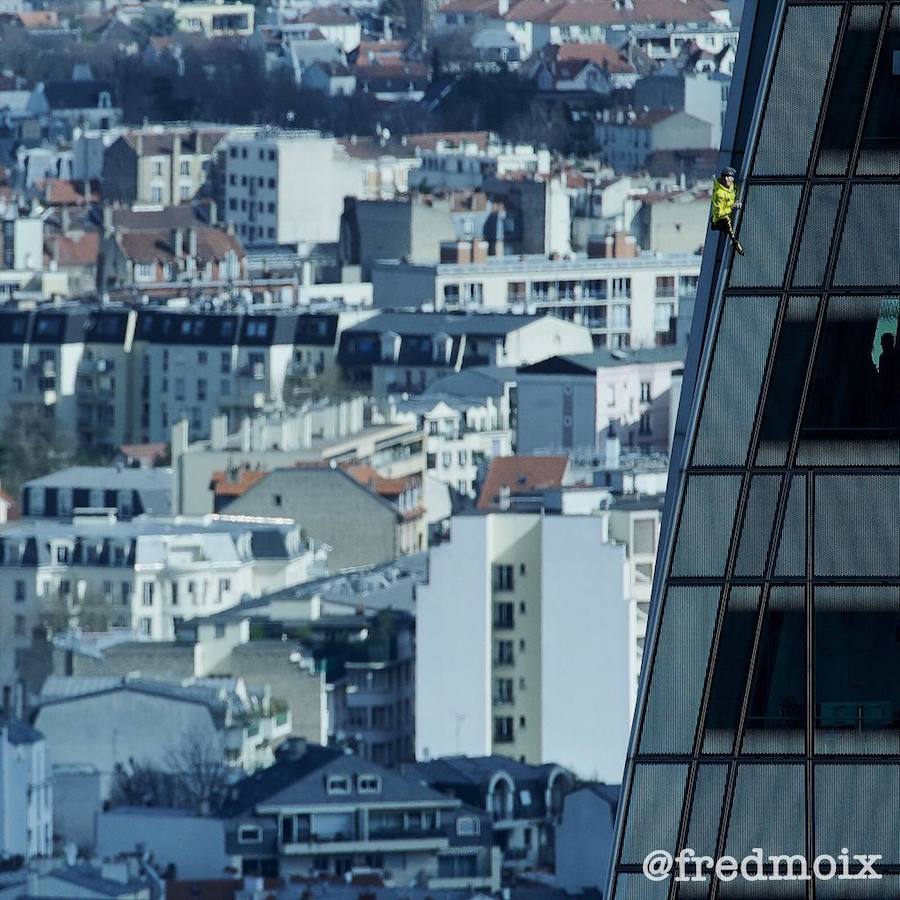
{"x": 723, "y": 200}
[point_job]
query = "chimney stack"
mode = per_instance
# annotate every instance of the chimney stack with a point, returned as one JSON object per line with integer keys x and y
{"x": 178, "y": 242}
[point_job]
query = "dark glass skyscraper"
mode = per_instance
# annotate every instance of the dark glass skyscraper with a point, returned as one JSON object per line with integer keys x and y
{"x": 769, "y": 713}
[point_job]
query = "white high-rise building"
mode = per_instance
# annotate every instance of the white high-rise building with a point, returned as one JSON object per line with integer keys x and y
{"x": 287, "y": 187}
{"x": 525, "y": 639}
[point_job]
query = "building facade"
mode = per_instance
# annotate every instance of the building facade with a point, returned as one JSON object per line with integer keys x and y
{"x": 769, "y": 709}
{"x": 26, "y": 795}
{"x": 626, "y": 302}
{"x": 516, "y": 641}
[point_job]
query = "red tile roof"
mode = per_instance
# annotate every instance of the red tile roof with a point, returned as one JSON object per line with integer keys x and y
{"x": 602, "y": 54}
{"x": 69, "y": 250}
{"x": 150, "y": 246}
{"x": 329, "y": 15}
{"x": 152, "y": 452}
{"x": 235, "y": 484}
{"x": 58, "y": 192}
{"x": 522, "y": 475}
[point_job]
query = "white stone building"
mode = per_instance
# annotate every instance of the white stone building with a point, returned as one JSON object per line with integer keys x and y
{"x": 26, "y": 796}
{"x": 99, "y": 573}
{"x": 626, "y": 302}
{"x": 524, "y": 637}
{"x": 287, "y": 187}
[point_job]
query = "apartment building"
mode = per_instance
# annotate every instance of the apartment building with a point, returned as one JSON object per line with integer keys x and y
{"x": 568, "y": 404}
{"x": 114, "y": 375}
{"x": 523, "y": 638}
{"x": 404, "y": 352}
{"x": 26, "y": 793}
{"x": 129, "y": 491}
{"x": 323, "y": 435}
{"x": 159, "y": 164}
{"x": 461, "y": 436}
{"x": 39, "y": 356}
{"x": 524, "y": 801}
{"x": 99, "y": 573}
{"x": 286, "y": 187}
{"x": 195, "y": 365}
{"x": 322, "y": 812}
{"x": 625, "y": 302}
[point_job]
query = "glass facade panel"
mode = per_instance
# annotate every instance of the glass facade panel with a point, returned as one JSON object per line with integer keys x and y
{"x": 770, "y": 219}
{"x": 657, "y": 795}
{"x": 679, "y": 669}
{"x": 817, "y": 233}
{"x": 796, "y": 92}
{"x": 845, "y": 103}
{"x": 704, "y": 538}
{"x": 733, "y": 394}
{"x": 880, "y": 147}
{"x": 758, "y": 822}
{"x": 871, "y": 237}
{"x": 756, "y": 532}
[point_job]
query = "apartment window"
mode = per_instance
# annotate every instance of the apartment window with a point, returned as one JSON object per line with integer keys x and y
{"x": 202, "y": 357}
{"x": 184, "y": 192}
{"x": 201, "y": 390}
{"x": 271, "y": 156}
{"x": 337, "y": 784}
{"x": 522, "y": 568}
{"x": 125, "y": 593}
{"x": 20, "y": 591}
{"x": 461, "y": 457}
{"x": 446, "y": 459}
{"x": 147, "y": 593}
{"x": 179, "y": 389}
{"x": 468, "y": 826}
{"x": 145, "y": 626}
{"x": 505, "y": 656}
{"x": 224, "y": 586}
{"x": 621, "y": 288}
{"x": 368, "y": 784}
{"x": 249, "y": 834}
{"x": 643, "y": 573}
{"x": 17, "y": 358}
{"x": 522, "y": 607}
{"x": 62, "y": 553}
{"x": 521, "y": 645}
{"x": 225, "y": 363}
{"x": 645, "y": 392}
{"x": 451, "y": 294}
{"x": 225, "y": 387}
{"x": 503, "y": 729}
{"x": 521, "y": 721}
{"x": 610, "y": 395}
{"x": 156, "y": 195}
{"x": 276, "y": 499}
{"x": 504, "y": 690}
{"x": 644, "y": 426}
{"x": 185, "y": 167}
{"x": 20, "y": 626}
{"x": 64, "y": 587}
{"x": 232, "y": 203}
{"x": 665, "y": 286}
{"x": 107, "y": 591}
{"x": 503, "y": 615}
{"x": 157, "y": 168}
{"x": 503, "y": 578}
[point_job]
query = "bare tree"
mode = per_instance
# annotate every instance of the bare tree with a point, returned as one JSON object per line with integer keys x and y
{"x": 198, "y": 765}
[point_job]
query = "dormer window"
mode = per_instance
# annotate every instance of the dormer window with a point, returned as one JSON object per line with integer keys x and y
{"x": 337, "y": 785}
{"x": 249, "y": 834}
{"x": 63, "y": 553}
{"x": 368, "y": 784}
{"x": 104, "y": 101}
{"x": 468, "y": 826}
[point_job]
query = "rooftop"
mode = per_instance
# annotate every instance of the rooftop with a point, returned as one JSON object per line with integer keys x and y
{"x": 521, "y": 475}
{"x": 107, "y": 477}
